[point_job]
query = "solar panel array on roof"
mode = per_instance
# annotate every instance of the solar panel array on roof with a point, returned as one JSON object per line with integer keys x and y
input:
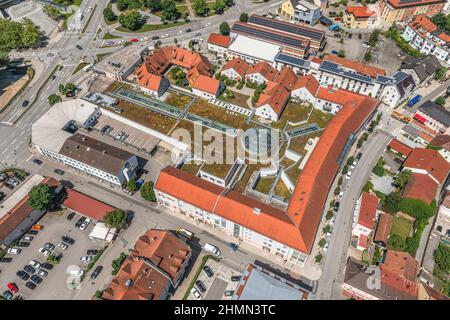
{"x": 384, "y": 80}
{"x": 334, "y": 68}
{"x": 399, "y": 76}
{"x": 292, "y": 61}
{"x": 250, "y": 31}
{"x": 287, "y": 27}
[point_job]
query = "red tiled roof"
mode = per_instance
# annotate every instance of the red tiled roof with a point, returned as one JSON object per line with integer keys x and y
{"x": 422, "y": 22}
{"x": 430, "y": 161}
{"x": 316, "y": 60}
{"x": 400, "y": 147}
{"x": 383, "y": 228}
{"x": 219, "y": 40}
{"x": 355, "y": 65}
{"x": 310, "y": 192}
{"x": 444, "y": 37}
{"x": 309, "y": 82}
{"x": 338, "y": 96}
{"x": 264, "y": 69}
{"x": 238, "y": 65}
{"x": 400, "y": 270}
{"x": 275, "y": 95}
{"x": 368, "y": 210}
{"x": 400, "y": 4}
{"x": 205, "y": 84}
{"x": 360, "y": 11}
{"x": 85, "y": 205}
{"x": 148, "y": 80}
{"x": 286, "y": 77}
{"x": 362, "y": 241}
{"x": 422, "y": 187}
{"x": 442, "y": 140}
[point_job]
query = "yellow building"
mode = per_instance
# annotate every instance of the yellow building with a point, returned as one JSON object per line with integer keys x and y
{"x": 359, "y": 17}
{"x": 287, "y": 9}
{"x": 401, "y": 10}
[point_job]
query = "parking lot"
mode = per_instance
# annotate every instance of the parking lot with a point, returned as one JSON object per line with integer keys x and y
{"x": 54, "y": 286}
{"x": 217, "y": 284}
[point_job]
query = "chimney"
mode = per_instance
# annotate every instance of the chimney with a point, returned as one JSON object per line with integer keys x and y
{"x": 128, "y": 283}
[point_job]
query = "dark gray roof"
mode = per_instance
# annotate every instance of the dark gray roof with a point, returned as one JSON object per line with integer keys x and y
{"x": 95, "y": 153}
{"x": 436, "y": 112}
{"x": 424, "y": 67}
{"x": 359, "y": 276}
{"x": 292, "y": 61}
{"x": 404, "y": 82}
{"x": 337, "y": 69}
{"x": 411, "y": 130}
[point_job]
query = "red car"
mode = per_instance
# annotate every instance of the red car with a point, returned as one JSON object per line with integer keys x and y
{"x": 134, "y": 40}
{"x": 13, "y": 287}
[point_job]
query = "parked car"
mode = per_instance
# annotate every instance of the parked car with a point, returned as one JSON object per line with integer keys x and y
{"x": 12, "y": 287}
{"x": 23, "y": 275}
{"x": 155, "y": 38}
{"x": 208, "y": 271}
{"x": 6, "y": 259}
{"x": 92, "y": 252}
{"x": 47, "y": 266}
{"x": 45, "y": 252}
{"x": 188, "y": 30}
{"x": 201, "y": 286}
{"x": 59, "y": 171}
{"x": 42, "y": 273}
{"x": 96, "y": 272}
{"x": 35, "y": 264}
{"x": 212, "y": 249}
{"x": 23, "y": 244}
{"x": 86, "y": 259}
{"x": 49, "y": 246}
{"x": 228, "y": 293}
{"x": 359, "y": 155}
{"x": 30, "y": 285}
{"x": 25, "y": 103}
{"x": 78, "y": 47}
{"x": 186, "y": 233}
{"x": 62, "y": 245}
{"x": 235, "y": 278}
{"x": 7, "y": 295}
{"x": 32, "y": 232}
{"x": 27, "y": 238}
{"x": 79, "y": 222}
{"x": 348, "y": 175}
{"x": 233, "y": 246}
{"x": 36, "y": 279}
{"x": 341, "y": 194}
{"x": 85, "y": 224}
{"x": 14, "y": 251}
{"x": 336, "y": 206}
{"x": 37, "y": 227}
{"x": 37, "y": 161}
{"x": 29, "y": 269}
{"x": 70, "y": 215}
{"x": 68, "y": 240}
{"x": 196, "y": 294}
{"x": 134, "y": 40}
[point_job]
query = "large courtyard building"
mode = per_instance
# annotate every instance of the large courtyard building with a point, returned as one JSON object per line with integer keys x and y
{"x": 401, "y": 10}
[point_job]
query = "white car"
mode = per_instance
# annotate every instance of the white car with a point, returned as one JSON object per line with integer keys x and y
{"x": 44, "y": 251}
{"x": 14, "y": 251}
{"x": 208, "y": 24}
{"x": 180, "y": 32}
{"x": 365, "y": 45}
{"x": 325, "y": 247}
{"x": 42, "y": 273}
{"x": 35, "y": 264}
{"x": 348, "y": 175}
{"x": 165, "y": 35}
{"x": 86, "y": 259}
{"x": 331, "y": 221}
{"x": 62, "y": 245}
{"x": 341, "y": 194}
{"x": 27, "y": 238}
{"x": 196, "y": 294}
{"x": 85, "y": 224}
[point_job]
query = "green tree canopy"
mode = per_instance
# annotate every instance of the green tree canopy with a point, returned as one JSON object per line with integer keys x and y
{"x": 131, "y": 185}
{"x": 169, "y": 10}
{"x": 442, "y": 257}
{"x": 200, "y": 7}
{"x": 396, "y": 242}
{"x": 224, "y": 28}
{"x": 41, "y": 197}
{"x": 109, "y": 14}
{"x": 153, "y": 5}
{"x": 219, "y": 6}
{"x": 131, "y": 20}
{"x": 440, "y": 100}
{"x": 53, "y": 99}
{"x": 401, "y": 179}
{"x": 115, "y": 219}
{"x": 243, "y": 17}
{"x": 147, "y": 191}
{"x": 18, "y": 35}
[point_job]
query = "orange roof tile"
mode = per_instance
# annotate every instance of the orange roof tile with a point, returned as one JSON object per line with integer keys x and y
{"x": 264, "y": 69}
{"x": 383, "y": 228}
{"x": 286, "y": 77}
{"x": 316, "y": 60}
{"x": 368, "y": 210}
{"x": 400, "y": 147}
{"x": 360, "y": 11}
{"x": 399, "y": 270}
{"x": 309, "y": 82}
{"x": 430, "y": 161}
{"x": 85, "y": 205}
{"x": 400, "y": 4}
{"x": 219, "y": 40}
{"x": 355, "y": 65}
{"x": 238, "y": 65}
{"x": 148, "y": 80}
{"x": 421, "y": 21}
{"x": 422, "y": 187}
{"x": 205, "y": 84}
{"x": 444, "y": 37}
{"x": 275, "y": 95}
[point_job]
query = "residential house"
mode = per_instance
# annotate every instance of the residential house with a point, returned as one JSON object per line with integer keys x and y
{"x": 433, "y": 116}
{"x": 204, "y": 86}
{"x": 397, "y": 88}
{"x": 421, "y": 187}
{"x": 272, "y": 101}
{"x": 360, "y": 17}
{"x": 400, "y": 270}
{"x": 428, "y": 162}
{"x": 421, "y": 69}
{"x": 261, "y": 72}
{"x": 152, "y": 84}
{"x": 401, "y": 10}
{"x": 235, "y": 69}
{"x": 384, "y": 226}
{"x": 153, "y": 270}
{"x": 442, "y": 224}
{"x": 442, "y": 142}
{"x": 363, "y": 230}
{"x": 305, "y": 89}
{"x": 399, "y": 148}
{"x": 218, "y": 43}
{"x": 424, "y": 35}
{"x": 300, "y": 11}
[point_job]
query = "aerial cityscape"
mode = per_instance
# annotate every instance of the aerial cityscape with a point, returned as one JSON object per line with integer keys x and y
{"x": 224, "y": 150}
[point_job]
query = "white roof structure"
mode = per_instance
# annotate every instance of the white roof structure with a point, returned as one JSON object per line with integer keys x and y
{"x": 102, "y": 232}
{"x": 254, "y": 48}
{"x": 47, "y": 131}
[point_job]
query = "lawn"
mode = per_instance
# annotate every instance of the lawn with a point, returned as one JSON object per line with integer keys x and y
{"x": 320, "y": 117}
{"x": 281, "y": 190}
{"x": 153, "y": 27}
{"x": 401, "y": 227}
{"x": 298, "y": 144}
{"x": 218, "y": 170}
{"x": 238, "y": 99}
{"x": 146, "y": 117}
{"x": 178, "y": 100}
{"x": 204, "y": 109}
{"x": 80, "y": 66}
{"x": 191, "y": 168}
{"x": 100, "y": 56}
{"x": 294, "y": 112}
{"x": 293, "y": 173}
{"x": 109, "y": 36}
{"x": 113, "y": 87}
{"x": 240, "y": 186}
{"x": 264, "y": 185}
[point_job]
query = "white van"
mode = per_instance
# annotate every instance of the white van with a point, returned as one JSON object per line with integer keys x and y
{"x": 212, "y": 249}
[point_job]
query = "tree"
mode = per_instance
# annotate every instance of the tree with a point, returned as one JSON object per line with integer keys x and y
{"x": 109, "y": 15}
{"x": 131, "y": 20}
{"x": 4, "y": 58}
{"x": 243, "y": 17}
{"x": 440, "y": 73}
{"x": 117, "y": 263}
{"x": 396, "y": 242}
{"x": 219, "y": 6}
{"x": 70, "y": 87}
{"x": 115, "y": 219}
{"x": 440, "y": 100}
{"x": 367, "y": 56}
{"x": 41, "y": 197}
{"x": 131, "y": 185}
{"x": 337, "y": 191}
{"x": 341, "y": 53}
{"x": 53, "y": 99}
{"x": 368, "y": 186}
{"x": 18, "y": 35}
{"x": 442, "y": 257}
{"x": 122, "y": 5}
{"x": 169, "y": 10}
{"x": 374, "y": 37}
{"x": 318, "y": 258}
{"x": 200, "y": 7}
{"x": 153, "y": 5}
{"x": 229, "y": 3}
{"x": 329, "y": 215}
{"x": 147, "y": 191}
{"x": 224, "y": 28}
{"x": 402, "y": 178}
{"x": 392, "y": 202}
{"x": 326, "y": 229}
{"x": 377, "y": 255}
{"x": 322, "y": 243}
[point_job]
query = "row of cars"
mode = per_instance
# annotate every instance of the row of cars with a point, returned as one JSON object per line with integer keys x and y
{"x": 11, "y": 181}
{"x": 199, "y": 288}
